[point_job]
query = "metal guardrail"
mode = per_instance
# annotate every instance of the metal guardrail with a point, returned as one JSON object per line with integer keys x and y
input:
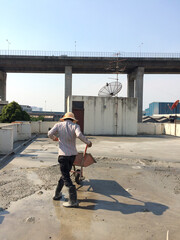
{"x": 87, "y": 54}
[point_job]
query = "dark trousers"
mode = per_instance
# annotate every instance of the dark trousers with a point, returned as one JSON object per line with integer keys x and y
{"x": 66, "y": 163}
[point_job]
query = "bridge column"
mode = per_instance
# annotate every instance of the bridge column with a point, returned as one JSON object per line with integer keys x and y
{"x": 135, "y": 88}
{"x": 3, "y": 86}
{"x": 139, "y": 91}
{"x": 68, "y": 85}
{"x": 130, "y": 85}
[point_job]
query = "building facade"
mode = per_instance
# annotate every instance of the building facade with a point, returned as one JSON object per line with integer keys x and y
{"x": 161, "y": 108}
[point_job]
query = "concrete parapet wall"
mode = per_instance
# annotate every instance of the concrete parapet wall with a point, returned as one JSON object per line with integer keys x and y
{"x": 150, "y": 128}
{"x": 35, "y": 127}
{"x": 6, "y": 140}
{"x": 159, "y": 128}
{"x": 44, "y": 126}
{"x": 23, "y": 131}
{"x": 172, "y": 129}
{"x": 41, "y": 127}
{"x": 14, "y": 128}
{"x": 12, "y": 132}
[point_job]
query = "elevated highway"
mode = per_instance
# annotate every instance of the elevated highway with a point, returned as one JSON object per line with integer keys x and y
{"x": 87, "y": 65}
{"x": 47, "y": 114}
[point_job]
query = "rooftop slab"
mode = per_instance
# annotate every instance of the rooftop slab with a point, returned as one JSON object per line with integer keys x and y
{"x": 132, "y": 192}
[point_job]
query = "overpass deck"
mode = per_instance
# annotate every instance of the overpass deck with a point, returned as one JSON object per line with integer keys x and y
{"x": 90, "y": 63}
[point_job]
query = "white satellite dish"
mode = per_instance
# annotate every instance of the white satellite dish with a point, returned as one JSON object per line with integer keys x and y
{"x": 110, "y": 89}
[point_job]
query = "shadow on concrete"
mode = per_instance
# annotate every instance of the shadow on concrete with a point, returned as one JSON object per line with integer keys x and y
{"x": 2, "y": 213}
{"x": 110, "y": 188}
{"x": 27, "y": 155}
{"x": 42, "y": 140}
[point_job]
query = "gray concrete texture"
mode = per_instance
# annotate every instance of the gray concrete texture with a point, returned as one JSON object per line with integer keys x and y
{"x": 132, "y": 192}
{"x": 68, "y": 85}
{"x": 3, "y": 86}
{"x": 83, "y": 64}
{"x": 135, "y": 88}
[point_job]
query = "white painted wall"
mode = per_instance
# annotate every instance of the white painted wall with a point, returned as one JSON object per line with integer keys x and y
{"x": 172, "y": 129}
{"x": 12, "y": 132}
{"x": 23, "y": 131}
{"x": 35, "y": 127}
{"x": 150, "y": 128}
{"x": 159, "y": 128}
{"x": 41, "y": 127}
{"x": 108, "y": 115}
{"x": 6, "y": 140}
{"x": 44, "y": 126}
{"x": 14, "y": 128}
{"x": 142, "y": 128}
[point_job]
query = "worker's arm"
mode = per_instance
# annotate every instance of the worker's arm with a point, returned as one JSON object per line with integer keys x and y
{"x": 52, "y": 133}
{"x": 82, "y": 137}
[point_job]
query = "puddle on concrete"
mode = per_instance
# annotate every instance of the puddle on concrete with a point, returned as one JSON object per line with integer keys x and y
{"x": 136, "y": 167}
{"x": 30, "y": 218}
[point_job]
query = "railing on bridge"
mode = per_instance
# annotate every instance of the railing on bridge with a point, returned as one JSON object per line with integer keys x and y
{"x": 64, "y": 54}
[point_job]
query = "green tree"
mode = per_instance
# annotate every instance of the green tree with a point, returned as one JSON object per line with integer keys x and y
{"x": 13, "y": 112}
{"x": 35, "y": 119}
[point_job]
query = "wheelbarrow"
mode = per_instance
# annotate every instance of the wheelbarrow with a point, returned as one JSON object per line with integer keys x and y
{"x": 81, "y": 160}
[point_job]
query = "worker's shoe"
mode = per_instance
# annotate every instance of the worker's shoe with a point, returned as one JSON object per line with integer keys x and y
{"x": 58, "y": 194}
{"x": 57, "y": 197}
{"x": 72, "y": 198}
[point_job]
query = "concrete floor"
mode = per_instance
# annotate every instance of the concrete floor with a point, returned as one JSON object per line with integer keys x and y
{"x": 132, "y": 192}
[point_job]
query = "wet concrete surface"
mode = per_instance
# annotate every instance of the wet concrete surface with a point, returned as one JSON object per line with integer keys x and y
{"x": 132, "y": 192}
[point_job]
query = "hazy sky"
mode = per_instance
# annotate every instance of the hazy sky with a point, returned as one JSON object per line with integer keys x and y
{"x": 97, "y": 26}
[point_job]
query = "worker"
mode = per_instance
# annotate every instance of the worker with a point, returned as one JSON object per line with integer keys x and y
{"x": 66, "y": 133}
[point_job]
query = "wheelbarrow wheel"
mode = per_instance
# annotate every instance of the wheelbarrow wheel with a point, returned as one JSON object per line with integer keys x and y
{"x": 77, "y": 176}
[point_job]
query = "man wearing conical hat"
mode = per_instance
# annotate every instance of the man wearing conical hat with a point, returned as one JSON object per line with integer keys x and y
{"x": 66, "y": 133}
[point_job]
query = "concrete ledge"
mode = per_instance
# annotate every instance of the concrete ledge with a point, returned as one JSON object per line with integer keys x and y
{"x": 6, "y": 158}
{"x": 41, "y": 127}
{"x": 150, "y": 128}
{"x": 172, "y": 129}
{"x": 23, "y": 131}
{"x": 159, "y": 129}
{"x": 12, "y": 132}
{"x": 6, "y": 140}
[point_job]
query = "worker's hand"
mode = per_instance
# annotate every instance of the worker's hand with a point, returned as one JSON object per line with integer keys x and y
{"x": 90, "y": 144}
{"x": 55, "y": 138}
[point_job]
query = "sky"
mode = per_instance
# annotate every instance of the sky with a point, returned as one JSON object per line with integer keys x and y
{"x": 88, "y": 26}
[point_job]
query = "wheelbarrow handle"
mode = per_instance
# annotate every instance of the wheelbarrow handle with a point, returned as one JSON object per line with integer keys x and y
{"x": 85, "y": 150}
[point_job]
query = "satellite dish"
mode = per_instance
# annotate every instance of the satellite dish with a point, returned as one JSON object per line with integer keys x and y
{"x": 110, "y": 89}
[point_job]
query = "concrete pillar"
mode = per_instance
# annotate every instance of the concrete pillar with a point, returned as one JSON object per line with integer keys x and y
{"x": 135, "y": 88}
{"x": 130, "y": 85}
{"x": 68, "y": 85}
{"x": 3, "y": 86}
{"x": 139, "y": 91}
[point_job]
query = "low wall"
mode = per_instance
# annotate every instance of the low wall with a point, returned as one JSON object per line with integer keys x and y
{"x": 150, "y": 128}
{"x": 6, "y": 140}
{"x": 12, "y": 132}
{"x": 23, "y": 131}
{"x": 41, "y": 127}
{"x": 159, "y": 129}
{"x": 142, "y": 128}
{"x": 172, "y": 129}
{"x": 13, "y": 127}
